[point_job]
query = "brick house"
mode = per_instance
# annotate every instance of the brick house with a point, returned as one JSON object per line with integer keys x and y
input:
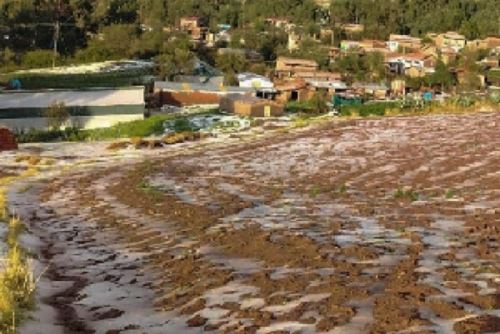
{"x": 288, "y": 67}
{"x": 194, "y": 27}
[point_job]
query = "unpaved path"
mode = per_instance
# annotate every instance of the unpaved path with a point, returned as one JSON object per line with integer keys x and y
{"x": 370, "y": 226}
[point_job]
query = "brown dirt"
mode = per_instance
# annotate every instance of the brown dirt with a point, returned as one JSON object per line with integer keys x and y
{"x": 378, "y": 216}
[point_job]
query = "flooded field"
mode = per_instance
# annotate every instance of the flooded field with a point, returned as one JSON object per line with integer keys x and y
{"x": 385, "y": 225}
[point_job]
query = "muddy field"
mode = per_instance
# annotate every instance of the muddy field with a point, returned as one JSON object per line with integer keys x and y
{"x": 372, "y": 226}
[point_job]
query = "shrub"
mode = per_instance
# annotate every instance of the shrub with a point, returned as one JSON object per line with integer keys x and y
{"x": 153, "y": 125}
{"x": 495, "y": 96}
{"x": 297, "y": 107}
{"x": 365, "y": 110}
{"x": 37, "y": 59}
{"x": 181, "y": 125}
{"x": 319, "y": 103}
{"x": 68, "y": 134}
{"x": 56, "y": 115}
{"x": 465, "y": 101}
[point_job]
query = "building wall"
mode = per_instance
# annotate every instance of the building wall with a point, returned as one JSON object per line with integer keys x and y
{"x": 7, "y": 140}
{"x": 34, "y": 112}
{"x": 85, "y": 122}
{"x": 257, "y": 109}
{"x": 301, "y": 94}
{"x": 72, "y": 98}
{"x": 181, "y": 99}
{"x": 252, "y": 109}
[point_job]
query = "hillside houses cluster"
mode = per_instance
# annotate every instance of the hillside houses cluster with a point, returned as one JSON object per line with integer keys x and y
{"x": 404, "y": 55}
{"x": 286, "y": 79}
{"x": 295, "y": 79}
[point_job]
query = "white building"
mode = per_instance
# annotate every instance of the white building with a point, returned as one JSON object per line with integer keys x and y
{"x": 89, "y": 108}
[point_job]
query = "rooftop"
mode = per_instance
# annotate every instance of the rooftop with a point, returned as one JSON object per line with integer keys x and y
{"x": 454, "y": 35}
{"x": 396, "y": 37}
{"x": 251, "y": 76}
{"x": 188, "y": 87}
{"x": 297, "y": 61}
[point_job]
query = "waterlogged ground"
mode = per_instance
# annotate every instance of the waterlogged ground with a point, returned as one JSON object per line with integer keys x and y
{"x": 369, "y": 226}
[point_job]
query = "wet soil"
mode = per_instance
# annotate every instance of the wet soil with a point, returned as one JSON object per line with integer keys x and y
{"x": 372, "y": 226}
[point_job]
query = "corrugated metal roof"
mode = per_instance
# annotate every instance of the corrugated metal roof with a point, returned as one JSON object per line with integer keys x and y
{"x": 208, "y": 87}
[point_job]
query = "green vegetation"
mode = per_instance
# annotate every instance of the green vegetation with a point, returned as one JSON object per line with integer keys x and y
{"x": 314, "y": 191}
{"x": 369, "y": 109}
{"x": 175, "y": 57}
{"x": 355, "y": 67}
{"x": 342, "y": 189}
{"x": 231, "y": 64}
{"x": 450, "y": 193}
{"x": 475, "y": 19}
{"x": 81, "y": 80}
{"x": 142, "y": 128}
{"x": 150, "y": 190}
{"x": 408, "y": 194}
{"x": 299, "y": 107}
{"x": 318, "y": 104}
{"x": 56, "y": 115}
{"x": 17, "y": 283}
{"x": 154, "y": 125}
{"x": 37, "y": 59}
{"x": 93, "y": 30}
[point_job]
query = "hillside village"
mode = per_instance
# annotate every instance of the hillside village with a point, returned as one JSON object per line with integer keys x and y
{"x": 205, "y": 63}
{"x": 249, "y": 166}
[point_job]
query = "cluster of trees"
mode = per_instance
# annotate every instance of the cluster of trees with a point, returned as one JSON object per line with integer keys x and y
{"x": 369, "y": 67}
{"x": 95, "y": 30}
{"x": 475, "y": 19}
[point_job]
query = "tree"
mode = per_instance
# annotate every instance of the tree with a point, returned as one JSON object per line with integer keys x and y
{"x": 176, "y": 57}
{"x": 441, "y": 76}
{"x": 7, "y": 59}
{"x": 373, "y": 63}
{"x": 109, "y": 44}
{"x": 57, "y": 114}
{"x": 231, "y": 64}
{"x": 467, "y": 62}
{"x": 319, "y": 103}
{"x": 351, "y": 67}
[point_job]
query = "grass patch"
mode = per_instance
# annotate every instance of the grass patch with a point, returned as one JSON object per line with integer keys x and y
{"x": 17, "y": 287}
{"x": 314, "y": 191}
{"x": 408, "y": 194}
{"x": 17, "y": 281}
{"x": 450, "y": 193}
{"x": 299, "y": 107}
{"x": 154, "y": 192}
{"x": 150, "y": 126}
{"x": 369, "y": 109}
{"x": 342, "y": 189}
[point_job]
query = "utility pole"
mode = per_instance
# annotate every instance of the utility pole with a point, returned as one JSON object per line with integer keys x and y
{"x": 57, "y": 30}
